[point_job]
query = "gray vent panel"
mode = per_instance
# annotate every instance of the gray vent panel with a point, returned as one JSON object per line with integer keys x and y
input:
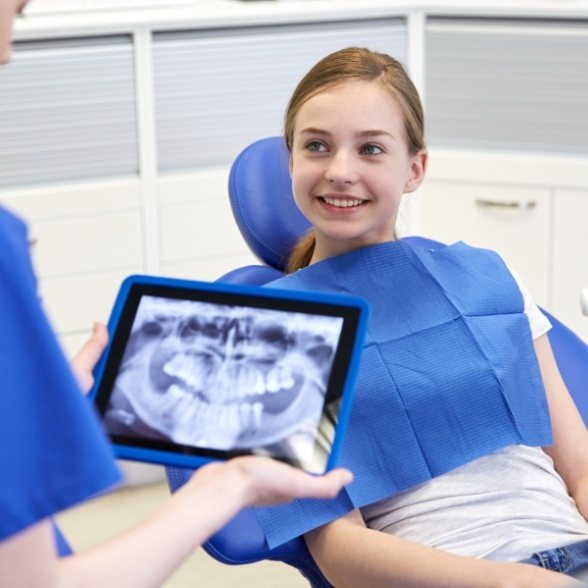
{"x": 215, "y": 92}
{"x": 67, "y": 112}
{"x": 508, "y": 86}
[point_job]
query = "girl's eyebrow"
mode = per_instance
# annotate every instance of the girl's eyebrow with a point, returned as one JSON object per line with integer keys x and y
{"x": 375, "y": 133}
{"x": 314, "y": 131}
{"x": 366, "y": 133}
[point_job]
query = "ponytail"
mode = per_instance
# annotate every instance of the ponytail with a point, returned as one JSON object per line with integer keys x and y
{"x": 302, "y": 253}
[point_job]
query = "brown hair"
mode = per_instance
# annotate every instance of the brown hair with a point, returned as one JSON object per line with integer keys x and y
{"x": 347, "y": 65}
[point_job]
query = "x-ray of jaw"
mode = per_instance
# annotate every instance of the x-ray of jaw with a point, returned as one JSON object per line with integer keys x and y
{"x": 226, "y": 378}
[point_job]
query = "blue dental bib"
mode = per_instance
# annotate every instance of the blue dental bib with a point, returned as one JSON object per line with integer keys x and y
{"x": 448, "y": 372}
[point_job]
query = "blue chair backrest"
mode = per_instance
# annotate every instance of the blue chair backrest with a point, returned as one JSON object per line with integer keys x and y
{"x": 571, "y": 354}
{"x": 260, "y": 192}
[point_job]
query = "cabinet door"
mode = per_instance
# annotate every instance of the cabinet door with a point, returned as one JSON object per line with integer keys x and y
{"x": 199, "y": 236}
{"x": 570, "y": 257}
{"x": 512, "y": 220}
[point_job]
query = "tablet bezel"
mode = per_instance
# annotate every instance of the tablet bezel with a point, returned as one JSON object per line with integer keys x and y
{"x": 353, "y": 310}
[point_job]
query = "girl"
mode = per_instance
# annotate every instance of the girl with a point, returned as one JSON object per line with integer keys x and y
{"x": 451, "y": 487}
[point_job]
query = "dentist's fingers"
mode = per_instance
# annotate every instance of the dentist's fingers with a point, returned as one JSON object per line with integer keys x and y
{"x": 87, "y": 357}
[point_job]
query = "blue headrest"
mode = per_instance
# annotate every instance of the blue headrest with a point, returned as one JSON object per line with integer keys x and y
{"x": 260, "y": 191}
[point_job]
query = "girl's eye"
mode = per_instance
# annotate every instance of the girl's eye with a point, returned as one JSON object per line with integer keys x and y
{"x": 371, "y": 150}
{"x": 315, "y": 146}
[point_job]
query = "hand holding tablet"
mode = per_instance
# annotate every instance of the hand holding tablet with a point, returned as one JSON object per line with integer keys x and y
{"x": 199, "y": 371}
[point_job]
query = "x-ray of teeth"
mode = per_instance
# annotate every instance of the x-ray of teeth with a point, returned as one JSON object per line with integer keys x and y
{"x": 225, "y": 377}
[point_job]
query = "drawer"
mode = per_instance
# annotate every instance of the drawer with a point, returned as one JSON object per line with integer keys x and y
{"x": 199, "y": 229}
{"x": 512, "y": 220}
{"x": 87, "y": 243}
{"x": 68, "y": 200}
{"x": 74, "y": 303}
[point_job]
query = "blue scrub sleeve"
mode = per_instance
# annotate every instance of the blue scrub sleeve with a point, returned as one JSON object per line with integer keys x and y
{"x": 53, "y": 453}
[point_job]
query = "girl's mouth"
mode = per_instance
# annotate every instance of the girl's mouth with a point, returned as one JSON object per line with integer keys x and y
{"x": 343, "y": 202}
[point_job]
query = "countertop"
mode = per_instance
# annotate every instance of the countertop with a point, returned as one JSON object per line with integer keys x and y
{"x": 208, "y": 14}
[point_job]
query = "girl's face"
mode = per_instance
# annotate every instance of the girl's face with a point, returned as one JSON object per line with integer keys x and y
{"x": 350, "y": 166}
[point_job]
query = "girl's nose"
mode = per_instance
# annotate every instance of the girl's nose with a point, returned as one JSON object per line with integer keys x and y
{"x": 341, "y": 169}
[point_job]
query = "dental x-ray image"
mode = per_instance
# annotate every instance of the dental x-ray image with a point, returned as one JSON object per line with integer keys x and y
{"x": 227, "y": 378}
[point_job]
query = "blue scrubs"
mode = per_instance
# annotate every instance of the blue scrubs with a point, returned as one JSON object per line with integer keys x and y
{"x": 52, "y": 451}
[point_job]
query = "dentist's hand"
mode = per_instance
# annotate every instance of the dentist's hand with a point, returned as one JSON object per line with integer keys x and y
{"x": 261, "y": 481}
{"x": 272, "y": 482}
{"x": 87, "y": 357}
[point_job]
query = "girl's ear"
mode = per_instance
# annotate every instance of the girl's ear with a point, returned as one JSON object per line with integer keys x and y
{"x": 418, "y": 168}
{"x": 290, "y": 163}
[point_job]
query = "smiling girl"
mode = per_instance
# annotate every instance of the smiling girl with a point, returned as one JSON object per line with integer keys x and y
{"x": 458, "y": 389}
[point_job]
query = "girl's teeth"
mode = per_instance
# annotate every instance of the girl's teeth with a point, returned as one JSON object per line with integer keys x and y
{"x": 342, "y": 203}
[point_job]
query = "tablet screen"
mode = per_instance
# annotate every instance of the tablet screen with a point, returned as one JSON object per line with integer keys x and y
{"x": 214, "y": 371}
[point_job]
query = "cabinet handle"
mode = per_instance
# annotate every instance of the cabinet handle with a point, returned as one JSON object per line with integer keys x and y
{"x": 584, "y": 301}
{"x": 513, "y": 204}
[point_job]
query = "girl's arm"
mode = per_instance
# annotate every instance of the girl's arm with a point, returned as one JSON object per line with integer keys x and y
{"x": 149, "y": 553}
{"x": 570, "y": 436}
{"x": 351, "y": 555}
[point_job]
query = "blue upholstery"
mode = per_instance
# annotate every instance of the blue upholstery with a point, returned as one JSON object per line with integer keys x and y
{"x": 571, "y": 354}
{"x": 263, "y": 206}
{"x": 260, "y": 191}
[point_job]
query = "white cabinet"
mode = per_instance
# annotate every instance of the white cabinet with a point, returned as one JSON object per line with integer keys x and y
{"x": 199, "y": 238}
{"x": 68, "y": 132}
{"x": 85, "y": 240}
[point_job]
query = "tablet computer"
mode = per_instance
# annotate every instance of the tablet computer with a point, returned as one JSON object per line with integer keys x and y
{"x": 198, "y": 371}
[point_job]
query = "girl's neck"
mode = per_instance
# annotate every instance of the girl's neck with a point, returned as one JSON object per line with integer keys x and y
{"x": 321, "y": 252}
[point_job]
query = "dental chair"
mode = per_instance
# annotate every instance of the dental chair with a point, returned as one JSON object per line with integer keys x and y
{"x": 261, "y": 198}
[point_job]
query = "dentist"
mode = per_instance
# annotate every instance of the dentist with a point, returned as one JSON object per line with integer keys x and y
{"x": 53, "y": 454}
